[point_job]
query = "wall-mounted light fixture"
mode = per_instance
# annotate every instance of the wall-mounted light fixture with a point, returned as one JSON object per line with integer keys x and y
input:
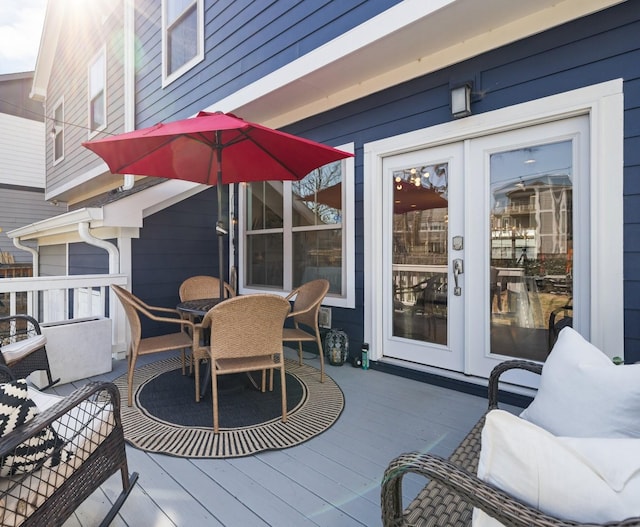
{"x": 461, "y": 100}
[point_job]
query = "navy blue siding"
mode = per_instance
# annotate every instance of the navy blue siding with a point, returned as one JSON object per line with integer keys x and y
{"x": 87, "y": 259}
{"x": 595, "y": 49}
{"x": 174, "y": 244}
{"x": 244, "y": 41}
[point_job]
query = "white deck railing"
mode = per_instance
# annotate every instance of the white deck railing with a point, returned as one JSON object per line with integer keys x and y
{"x": 58, "y": 298}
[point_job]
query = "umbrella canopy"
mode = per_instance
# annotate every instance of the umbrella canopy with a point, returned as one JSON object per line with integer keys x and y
{"x": 214, "y": 149}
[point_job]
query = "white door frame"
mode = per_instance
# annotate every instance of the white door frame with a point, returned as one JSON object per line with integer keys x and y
{"x": 604, "y": 104}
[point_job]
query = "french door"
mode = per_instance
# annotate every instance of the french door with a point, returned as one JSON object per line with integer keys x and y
{"x": 482, "y": 246}
{"x": 423, "y": 213}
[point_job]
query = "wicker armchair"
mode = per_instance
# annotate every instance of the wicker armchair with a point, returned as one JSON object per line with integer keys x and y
{"x": 202, "y": 286}
{"x": 23, "y": 347}
{"x": 179, "y": 339}
{"x": 246, "y": 336}
{"x": 89, "y": 448}
{"x": 306, "y": 306}
{"x": 454, "y": 489}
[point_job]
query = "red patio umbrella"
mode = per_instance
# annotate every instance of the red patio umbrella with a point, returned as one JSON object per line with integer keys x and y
{"x": 214, "y": 149}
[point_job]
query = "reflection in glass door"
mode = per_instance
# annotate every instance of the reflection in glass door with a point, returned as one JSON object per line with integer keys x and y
{"x": 531, "y": 251}
{"x": 423, "y": 213}
{"x": 420, "y": 253}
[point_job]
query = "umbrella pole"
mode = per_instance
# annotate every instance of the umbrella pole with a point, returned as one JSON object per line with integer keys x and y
{"x": 220, "y": 230}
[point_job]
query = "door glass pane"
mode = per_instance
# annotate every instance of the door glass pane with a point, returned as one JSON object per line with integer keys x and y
{"x": 531, "y": 267}
{"x": 420, "y": 253}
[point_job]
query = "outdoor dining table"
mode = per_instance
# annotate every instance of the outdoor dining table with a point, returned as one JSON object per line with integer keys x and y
{"x": 199, "y": 306}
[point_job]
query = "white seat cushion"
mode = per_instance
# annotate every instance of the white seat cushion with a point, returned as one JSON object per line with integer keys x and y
{"x": 16, "y": 350}
{"x": 584, "y": 394}
{"x": 591, "y": 480}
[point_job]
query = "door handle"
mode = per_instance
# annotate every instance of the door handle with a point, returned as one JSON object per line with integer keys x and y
{"x": 458, "y": 269}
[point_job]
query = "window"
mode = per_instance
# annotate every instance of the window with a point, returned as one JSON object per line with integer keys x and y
{"x": 298, "y": 231}
{"x": 97, "y": 93}
{"x": 182, "y": 35}
{"x": 57, "y": 132}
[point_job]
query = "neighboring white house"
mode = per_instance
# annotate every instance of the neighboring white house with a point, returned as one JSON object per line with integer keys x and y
{"x": 22, "y": 161}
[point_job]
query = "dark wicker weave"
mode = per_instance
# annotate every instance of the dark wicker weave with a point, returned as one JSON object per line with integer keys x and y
{"x": 99, "y": 453}
{"x": 453, "y": 490}
{"x": 18, "y": 327}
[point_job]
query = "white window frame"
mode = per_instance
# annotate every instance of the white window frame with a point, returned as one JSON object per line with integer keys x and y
{"x": 604, "y": 104}
{"x": 101, "y": 55}
{"x": 169, "y": 77}
{"x": 347, "y": 298}
{"x": 57, "y": 128}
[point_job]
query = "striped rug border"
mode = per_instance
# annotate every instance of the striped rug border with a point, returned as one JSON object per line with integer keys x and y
{"x": 319, "y": 408}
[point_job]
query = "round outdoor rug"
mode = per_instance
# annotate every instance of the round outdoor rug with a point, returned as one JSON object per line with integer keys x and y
{"x": 166, "y": 419}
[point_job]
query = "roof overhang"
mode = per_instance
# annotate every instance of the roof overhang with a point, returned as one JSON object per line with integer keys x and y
{"x": 123, "y": 217}
{"x": 407, "y": 41}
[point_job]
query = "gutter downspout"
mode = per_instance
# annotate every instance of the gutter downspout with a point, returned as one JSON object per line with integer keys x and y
{"x": 114, "y": 255}
{"x": 34, "y": 253}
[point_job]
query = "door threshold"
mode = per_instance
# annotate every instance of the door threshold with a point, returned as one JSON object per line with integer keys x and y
{"x": 508, "y": 393}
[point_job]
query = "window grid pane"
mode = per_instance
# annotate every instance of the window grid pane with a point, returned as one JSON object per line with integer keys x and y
{"x": 265, "y": 260}
{"x": 97, "y": 112}
{"x": 265, "y": 207}
{"x": 318, "y": 254}
{"x": 58, "y": 142}
{"x": 183, "y": 39}
{"x": 97, "y": 106}
{"x": 317, "y": 198}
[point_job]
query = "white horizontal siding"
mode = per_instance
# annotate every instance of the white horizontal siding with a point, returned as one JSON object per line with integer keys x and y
{"x": 22, "y": 154}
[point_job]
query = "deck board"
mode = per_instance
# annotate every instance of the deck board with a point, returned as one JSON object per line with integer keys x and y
{"x": 332, "y": 480}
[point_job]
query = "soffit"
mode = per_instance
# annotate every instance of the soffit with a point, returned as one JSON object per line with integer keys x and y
{"x": 409, "y": 40}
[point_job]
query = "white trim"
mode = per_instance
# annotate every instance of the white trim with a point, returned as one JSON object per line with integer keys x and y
{"x": 168, "y": 78}
{"x": 604, "y": 104}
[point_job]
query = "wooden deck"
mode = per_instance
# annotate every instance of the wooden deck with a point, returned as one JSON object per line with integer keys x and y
{"x": 332, "y": 480}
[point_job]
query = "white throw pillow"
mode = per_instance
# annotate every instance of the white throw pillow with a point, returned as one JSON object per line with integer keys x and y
{"x": 590, "y": 480}
{"x": 583, "y": 394}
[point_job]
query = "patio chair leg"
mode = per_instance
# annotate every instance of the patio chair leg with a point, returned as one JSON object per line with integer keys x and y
{"x": 319, "y": 343}
{"x": 132, "y": 366}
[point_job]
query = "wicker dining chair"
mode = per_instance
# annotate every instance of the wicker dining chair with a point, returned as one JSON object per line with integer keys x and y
{"x": 180, "y": 339}
{"x": 203, "y": 286}
{"x": 246, "y": 336}
{"x": 306, "y": 306}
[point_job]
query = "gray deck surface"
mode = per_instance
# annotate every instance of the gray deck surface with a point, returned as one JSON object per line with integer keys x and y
{"x": 331, "y": 480}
